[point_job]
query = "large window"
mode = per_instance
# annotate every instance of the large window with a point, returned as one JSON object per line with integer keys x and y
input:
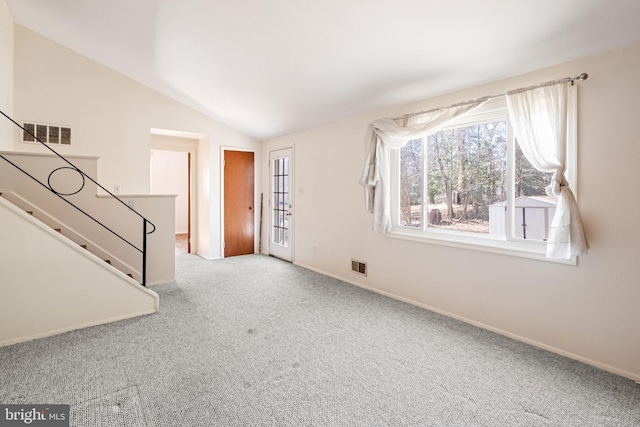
{"x": 470, "y": 182}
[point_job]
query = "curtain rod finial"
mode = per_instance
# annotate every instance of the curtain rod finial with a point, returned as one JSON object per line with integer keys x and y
{"x": 583, "y": 76}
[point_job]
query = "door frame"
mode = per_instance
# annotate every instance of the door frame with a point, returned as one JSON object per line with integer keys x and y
{"x": 292, "y": 218}
{"x": 187, "y": 143}
{"x": 256, "y": 214}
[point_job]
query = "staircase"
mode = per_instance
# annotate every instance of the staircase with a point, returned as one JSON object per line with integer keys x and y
{"x": 70, "y": 234}
{"x": 71, "y": 257}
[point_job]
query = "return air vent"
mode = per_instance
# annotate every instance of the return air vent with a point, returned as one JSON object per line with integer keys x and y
{"x": 359, "y": 267}
{"x": 51, "y": 134}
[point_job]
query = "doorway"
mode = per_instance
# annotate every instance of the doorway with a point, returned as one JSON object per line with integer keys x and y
{"x": 174, "y": 170}
{"x": 171, "y": 174}
{"x": 281, "y": 204}
{"x": 239, "y": 197}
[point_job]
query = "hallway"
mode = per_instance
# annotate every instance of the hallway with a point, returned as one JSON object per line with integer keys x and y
{"x": 181, "y": 244}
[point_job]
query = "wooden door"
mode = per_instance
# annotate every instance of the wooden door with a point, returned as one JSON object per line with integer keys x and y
{"x": 239, "y": 212}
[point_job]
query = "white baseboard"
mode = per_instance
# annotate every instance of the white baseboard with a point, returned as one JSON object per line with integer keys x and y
{"x": 586, "y": 360}
{"x": 73, "y": 328}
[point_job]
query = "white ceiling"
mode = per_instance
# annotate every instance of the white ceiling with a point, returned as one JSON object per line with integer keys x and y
{"x": 272, "y": 67}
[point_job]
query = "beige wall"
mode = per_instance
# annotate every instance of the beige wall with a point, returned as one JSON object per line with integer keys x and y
{"x": 589, "y": 311}
{"x": 112, "y": 117}
{"x": 43, "y": 301}
{"x": 6, "y": 75}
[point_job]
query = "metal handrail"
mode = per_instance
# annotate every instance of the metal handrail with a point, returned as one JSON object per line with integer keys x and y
{"x": 84, "y": 176}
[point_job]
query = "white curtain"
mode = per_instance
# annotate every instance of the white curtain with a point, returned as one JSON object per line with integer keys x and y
{"x": 539, "y": 118}
{"x": 385, "y": 134}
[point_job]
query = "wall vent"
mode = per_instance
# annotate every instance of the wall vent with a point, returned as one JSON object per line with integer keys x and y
{"x": 51, "y": 134}
{"x": 359, "y": 267}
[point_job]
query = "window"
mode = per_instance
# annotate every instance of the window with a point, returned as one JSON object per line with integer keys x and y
{"x": 470, "y": 184}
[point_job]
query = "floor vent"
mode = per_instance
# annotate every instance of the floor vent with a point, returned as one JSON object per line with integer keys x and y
{"x": 359, "y": 267}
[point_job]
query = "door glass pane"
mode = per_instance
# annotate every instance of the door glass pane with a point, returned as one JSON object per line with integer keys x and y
{"x": 280, "y": 201}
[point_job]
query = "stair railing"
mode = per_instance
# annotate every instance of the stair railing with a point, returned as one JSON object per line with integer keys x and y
{"x": 48, "y": 186}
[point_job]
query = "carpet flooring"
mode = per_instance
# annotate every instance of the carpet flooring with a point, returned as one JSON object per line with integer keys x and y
{"x": 254, "y": 341}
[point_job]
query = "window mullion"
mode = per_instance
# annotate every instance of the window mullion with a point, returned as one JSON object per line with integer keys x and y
{"x": 511, "y": 176}
{"x": 425, "y": 184}
{"x": 394, "y": 164}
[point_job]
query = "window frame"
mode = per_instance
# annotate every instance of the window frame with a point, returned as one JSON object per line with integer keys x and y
{"x": 495, "y": 109}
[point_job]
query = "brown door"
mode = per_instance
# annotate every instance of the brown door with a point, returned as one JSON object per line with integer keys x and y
{"x": 239, "y": 211}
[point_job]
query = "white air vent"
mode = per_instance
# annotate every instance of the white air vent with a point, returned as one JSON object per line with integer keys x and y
{"x": 51, "y": 134}
{"x": 359, "y": 267}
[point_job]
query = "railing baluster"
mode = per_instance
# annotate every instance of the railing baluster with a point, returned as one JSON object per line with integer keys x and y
{"x": 144, "y": 253}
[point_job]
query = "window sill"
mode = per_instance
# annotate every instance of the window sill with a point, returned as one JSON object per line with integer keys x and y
{"x": 530, "y": 250}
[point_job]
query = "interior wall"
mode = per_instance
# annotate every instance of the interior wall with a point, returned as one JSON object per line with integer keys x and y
{"x": 43, "y": 301}
{"x": 588, "y": 311}
{"x": 111, "y": 117}
{"x": 6, "y": 76}
{"x": 169, "y": 175}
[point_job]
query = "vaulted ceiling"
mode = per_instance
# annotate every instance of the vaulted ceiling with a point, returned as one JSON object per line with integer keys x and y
{"x": 272, "y": 67}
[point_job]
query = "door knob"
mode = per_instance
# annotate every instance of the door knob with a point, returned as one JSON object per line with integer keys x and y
{"x": 250, "y": 208}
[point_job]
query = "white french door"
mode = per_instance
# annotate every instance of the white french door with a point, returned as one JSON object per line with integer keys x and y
{"x": 281, "y": 204}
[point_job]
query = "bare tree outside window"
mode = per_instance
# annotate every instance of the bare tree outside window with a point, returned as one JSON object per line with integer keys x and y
{"x": 461, "y": 174}
{"x": 528, "y": 180}
{"x": 467, "y": 173}
{"x": 411, "y": 183}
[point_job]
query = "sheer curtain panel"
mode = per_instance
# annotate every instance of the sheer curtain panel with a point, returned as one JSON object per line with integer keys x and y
{"x": 387, "y": 134}
{"x": 539, "y": 116}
